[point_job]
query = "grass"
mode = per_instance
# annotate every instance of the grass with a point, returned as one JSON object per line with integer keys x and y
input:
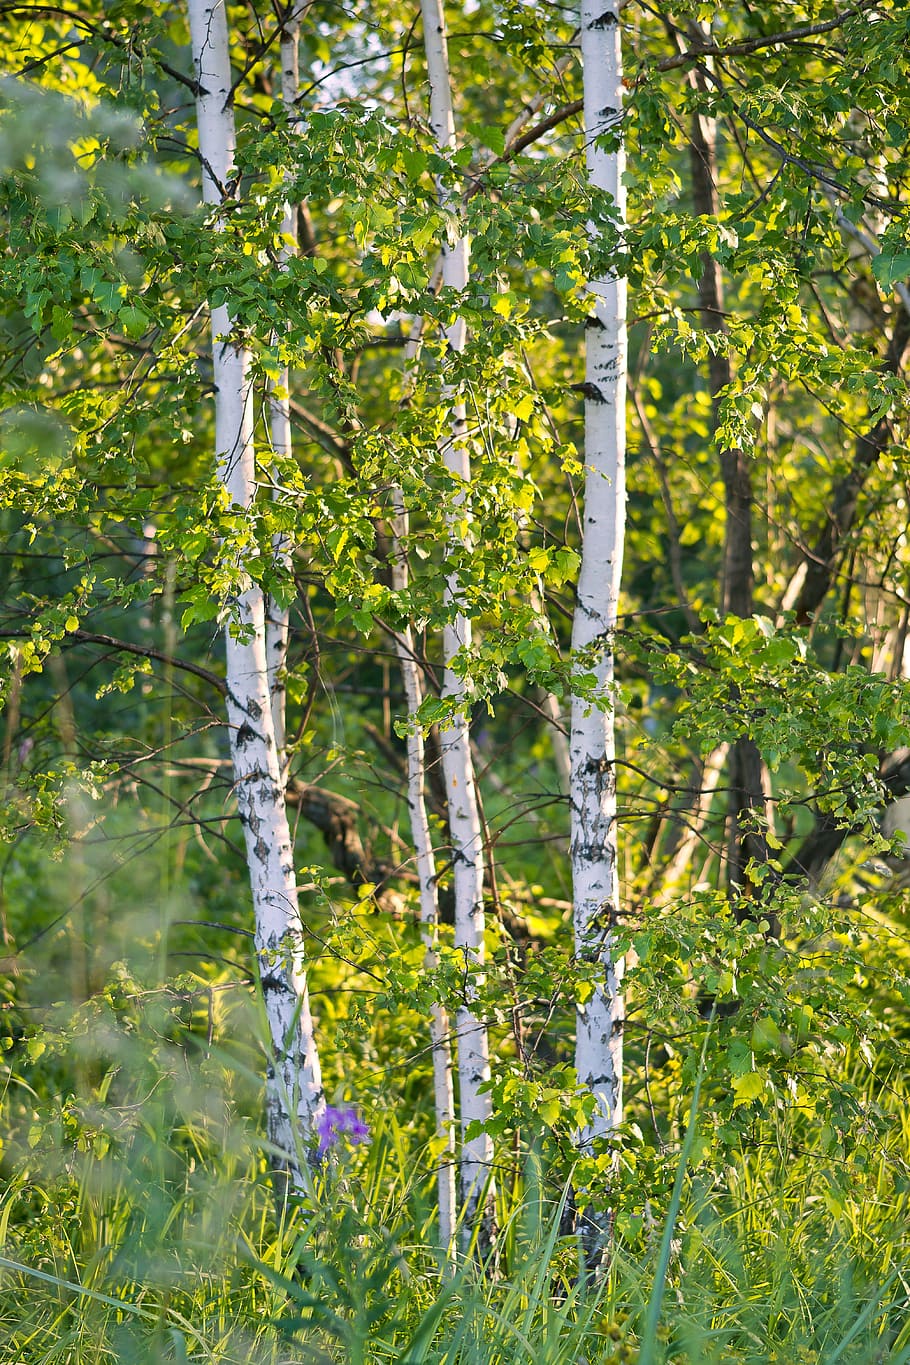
{"x": 137, "y": 1225}
{"x": 100, "y": 1264}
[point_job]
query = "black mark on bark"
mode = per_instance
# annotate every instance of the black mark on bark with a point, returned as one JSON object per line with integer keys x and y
{"x": 272, "y": 981}
{"x": 590, "y": 391}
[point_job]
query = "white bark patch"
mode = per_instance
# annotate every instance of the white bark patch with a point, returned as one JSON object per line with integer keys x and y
{"x": 293, "y": 1083}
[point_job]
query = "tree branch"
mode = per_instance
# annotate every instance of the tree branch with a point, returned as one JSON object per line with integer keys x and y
{"x": 749, "y": 45}
{"x": 127, "y": 647}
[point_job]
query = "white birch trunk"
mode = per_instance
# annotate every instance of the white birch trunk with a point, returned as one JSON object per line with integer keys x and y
{"x": 464, "y": 819}
{"x": 293, "y": 1085}
{"x": 277, "y": 617}
{"x": 443, "y": 1092}
{"x": 599, "y": 1039}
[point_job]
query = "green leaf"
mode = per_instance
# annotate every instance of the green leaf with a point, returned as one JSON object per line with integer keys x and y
{"x": 524, "y": 407}
{"x": 133, "y": 320}
{"x": 747, "y": 1088}
{"x": 891, "y": 270}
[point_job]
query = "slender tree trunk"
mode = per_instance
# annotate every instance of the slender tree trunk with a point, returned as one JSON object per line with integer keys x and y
{"x": 293, "y": 1085}
{"x": 600, "y": 1018}
{"x": 749, "y": 810}
{"x": 277, "y": 620}
{"x": 443, "y": 1092}
{"x": 464, "y": 818}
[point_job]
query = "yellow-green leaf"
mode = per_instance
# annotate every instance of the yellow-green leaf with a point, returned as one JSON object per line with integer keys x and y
{"x": 747, "y": 1088}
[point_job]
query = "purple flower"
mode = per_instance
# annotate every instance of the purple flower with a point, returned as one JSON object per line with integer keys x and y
{"x": 335, "y": 1123}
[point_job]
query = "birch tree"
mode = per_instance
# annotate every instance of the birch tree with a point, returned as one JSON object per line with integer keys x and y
{"x": 594, "y": 837}
{"x": 443, "y": 1090}
{"x": 111, "y": 340}
{"x": 278, "y": 616}
{"x": 293, "y": 1085}
{"x": 464, "y": 817}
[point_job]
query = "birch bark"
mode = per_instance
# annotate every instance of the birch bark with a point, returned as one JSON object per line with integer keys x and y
{"x": 600, "y": 1018}
{"x": 458, "y": 769}
{"x": 277, "y": 620}
{"x": 443, "y": 1090}
{"x": 293, "y": 1083}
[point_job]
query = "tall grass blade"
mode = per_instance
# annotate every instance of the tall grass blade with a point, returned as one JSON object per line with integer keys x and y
{"x": 70, "y": 1285}
{"x": 647, "y": 1351}
{"x": 862, "y": 1321}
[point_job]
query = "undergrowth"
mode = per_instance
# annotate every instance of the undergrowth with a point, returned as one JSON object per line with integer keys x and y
{"x": 153, "y": 1237}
